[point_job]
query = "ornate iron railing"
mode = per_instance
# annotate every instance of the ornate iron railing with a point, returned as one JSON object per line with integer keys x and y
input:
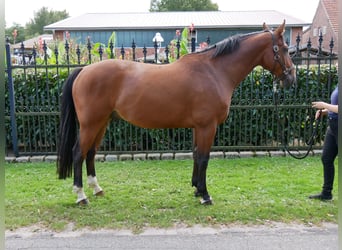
{"x": 258, "y": 119}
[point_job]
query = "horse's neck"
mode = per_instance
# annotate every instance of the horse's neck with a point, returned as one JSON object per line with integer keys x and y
{"x": 241, "y": 62}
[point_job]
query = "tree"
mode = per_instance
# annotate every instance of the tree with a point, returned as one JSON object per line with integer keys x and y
{"x": 44, "y": 17}
{"x": 15, "y": 33}
{"x": 182, "y": 5}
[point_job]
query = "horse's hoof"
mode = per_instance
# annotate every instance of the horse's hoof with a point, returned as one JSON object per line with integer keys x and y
{"x": 100, "y": 193}
{"x": 206, "y": 202}
{"x": 83, "y": 202}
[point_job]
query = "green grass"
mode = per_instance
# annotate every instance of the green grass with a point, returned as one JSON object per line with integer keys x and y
{"x": 142, "y": 194}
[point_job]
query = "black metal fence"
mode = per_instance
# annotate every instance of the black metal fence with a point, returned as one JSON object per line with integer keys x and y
{"x": 260, "y": 118}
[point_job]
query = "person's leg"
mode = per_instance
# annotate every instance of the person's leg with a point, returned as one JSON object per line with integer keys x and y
{"x": 329, "y": 154}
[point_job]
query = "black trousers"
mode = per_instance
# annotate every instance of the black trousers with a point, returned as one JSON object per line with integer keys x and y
{"x": 330, "y": 151}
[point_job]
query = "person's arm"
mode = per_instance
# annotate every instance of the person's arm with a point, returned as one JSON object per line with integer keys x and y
{"x": 325, "y": 107}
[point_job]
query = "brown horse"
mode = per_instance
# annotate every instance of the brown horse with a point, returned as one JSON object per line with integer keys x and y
{"x": 193, "y": 92}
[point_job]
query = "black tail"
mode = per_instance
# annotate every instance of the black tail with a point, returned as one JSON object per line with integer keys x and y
{"x": 67, "y": 128}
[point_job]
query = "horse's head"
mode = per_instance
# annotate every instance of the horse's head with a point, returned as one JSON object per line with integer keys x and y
{"x": 278, "y": 60}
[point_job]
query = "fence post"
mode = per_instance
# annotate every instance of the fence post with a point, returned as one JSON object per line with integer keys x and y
{"x": 111, "y": 46}
{"x": 122, "y": 51}
{"x": 208, "y": 40}
{"x": 145, "y": 53}
{"x": 133, "y": 49}
{"x": 89, "y": 50}
{"x": 178, "y": 48}
{"x": 193, "y": 44}
{"x": 11, "y": 100}
{"x": 155, "y": 45}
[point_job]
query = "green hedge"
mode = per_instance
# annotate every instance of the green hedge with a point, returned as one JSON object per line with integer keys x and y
{"x": 254, "y": 120}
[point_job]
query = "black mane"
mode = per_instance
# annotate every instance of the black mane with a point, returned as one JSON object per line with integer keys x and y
{"x": 228, "y": 45}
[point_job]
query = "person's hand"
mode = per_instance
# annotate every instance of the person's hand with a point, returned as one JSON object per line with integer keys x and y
{"x": 318, "y": 105}
{"x": 321, "y": 109}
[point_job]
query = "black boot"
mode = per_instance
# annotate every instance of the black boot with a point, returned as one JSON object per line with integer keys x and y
{"x": 324, "y": 196}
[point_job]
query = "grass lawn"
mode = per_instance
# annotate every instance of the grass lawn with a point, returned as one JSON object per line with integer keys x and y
{"x": 142, "y": 194}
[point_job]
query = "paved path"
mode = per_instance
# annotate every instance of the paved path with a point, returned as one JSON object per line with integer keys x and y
{"x": 276, "y": 236}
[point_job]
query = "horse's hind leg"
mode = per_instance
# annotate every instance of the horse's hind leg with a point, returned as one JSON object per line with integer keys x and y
{"x": 90, "y": 163}
{"x": 85, "y": 148}
{"x": 92, "y": 180}
{"x": 78, "y": 183}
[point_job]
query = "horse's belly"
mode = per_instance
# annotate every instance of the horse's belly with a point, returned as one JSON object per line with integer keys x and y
{"x": 156, "y": 116}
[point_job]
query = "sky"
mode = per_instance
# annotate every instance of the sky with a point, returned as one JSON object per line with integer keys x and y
{"x": 22, "y": 11}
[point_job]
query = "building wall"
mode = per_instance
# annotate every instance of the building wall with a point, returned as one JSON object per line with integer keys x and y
{"x": 294, "y": 33}
{"x": 322, "y": 24}
{"x": 144, "y": 37}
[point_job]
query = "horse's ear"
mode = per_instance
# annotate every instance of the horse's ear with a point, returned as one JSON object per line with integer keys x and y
{"x": 281, "y": 28}
{"x": 265, "y": 27}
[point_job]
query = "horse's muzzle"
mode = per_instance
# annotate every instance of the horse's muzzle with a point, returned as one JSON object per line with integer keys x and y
{"x": 288, "y": 79}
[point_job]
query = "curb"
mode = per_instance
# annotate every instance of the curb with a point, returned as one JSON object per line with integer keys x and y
{"x": 163, "y": 156}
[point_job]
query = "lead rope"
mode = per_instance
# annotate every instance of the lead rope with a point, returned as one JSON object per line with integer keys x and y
{"x": 314, "y": 132}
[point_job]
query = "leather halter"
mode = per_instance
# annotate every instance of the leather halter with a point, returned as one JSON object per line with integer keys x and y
{"x": 277, "y": 59}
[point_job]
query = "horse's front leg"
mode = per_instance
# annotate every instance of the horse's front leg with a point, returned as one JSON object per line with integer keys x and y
{"x": 92, "y": 180}
{"x": 195, "y": 174}
{"x": 204, "y": 139}
{"x": 78, "y": 183}
{"x": 194, "y": 179}
{"x": 203, "y": 160}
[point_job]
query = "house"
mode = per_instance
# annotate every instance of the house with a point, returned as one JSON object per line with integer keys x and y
{"x": 24, "y": 49}
{"x": 325, "y": 23}
{"x": 142, "y": 27}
